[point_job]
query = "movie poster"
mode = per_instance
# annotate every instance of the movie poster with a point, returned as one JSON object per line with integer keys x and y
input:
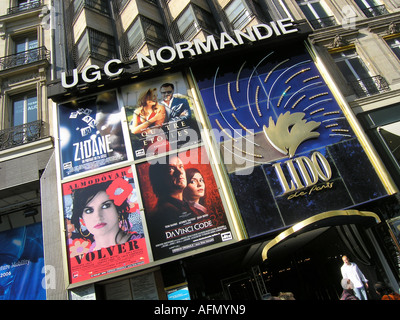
{"x": 90, "y": 133}
{"x": 21, "y": 264}
{"x": 104, "y": 225}
{"x": 182, "y": 203}
{"x": 160, "y": 116}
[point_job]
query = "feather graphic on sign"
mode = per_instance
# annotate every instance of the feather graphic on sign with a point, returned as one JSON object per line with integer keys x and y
{"x": 269, "y": 87}
{"x": 290, "y": 131}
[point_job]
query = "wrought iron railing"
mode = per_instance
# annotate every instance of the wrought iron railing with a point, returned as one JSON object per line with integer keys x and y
{"x": 323, "y": 22}
{"x": 25, "y": 57}
{"x": 25, "y": 7}
{"x": 370, "y": 86}
{"x": 375, "y": 11}
{"x": 20, "y": 135}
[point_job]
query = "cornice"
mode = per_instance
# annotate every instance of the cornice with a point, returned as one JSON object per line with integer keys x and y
{"x": 384, "y": 24}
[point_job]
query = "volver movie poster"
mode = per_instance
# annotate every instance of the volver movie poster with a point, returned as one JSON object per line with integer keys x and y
{"x": 160, "y": 116}
{"x": 104, "y": 225}
{"x": 183, "y": 207}
{"x": 90, "y": 133}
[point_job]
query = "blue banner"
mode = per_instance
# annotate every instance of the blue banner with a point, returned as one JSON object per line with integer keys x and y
{"x": 21, "y": 264}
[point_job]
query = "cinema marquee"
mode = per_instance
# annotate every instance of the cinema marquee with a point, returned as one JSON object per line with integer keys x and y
{"x": 184, "y": 49}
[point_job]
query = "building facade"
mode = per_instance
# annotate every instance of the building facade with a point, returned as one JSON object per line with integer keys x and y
{"x": 26, "y": 140}
{"x": 282, "y": 122}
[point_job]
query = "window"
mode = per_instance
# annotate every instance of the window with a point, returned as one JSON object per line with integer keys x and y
{"x": 22, "y": 123}
{"x": 357, "y": 74}
{"x": 96, "y": 44}
{"x": 135, "y": 35}
{"x": 238, "y": 14}
{"x": 101, "y": 44}
{"x": 383, "y": 127}
{"x": 82, "y": 48}
{"x": 371, "y": 8}
{"x": 28, "y": 4}
{"x": 186, "y": 21}
{"x": 23, "y": 114}
{"x": 316, "y": 13}
{"x": 142, "y": 30}
{"x": 391, "y": 135}
{"x": 277, "y": 10}
{"x": 350, "y": 64}
{"x": 99, "y": 6}
{"x": 24, "y": 109}
{"x": 26, "y": 49}
{"x": 120, "y": 4}
{"x": 194, "y": 19}
{"x": 394, "y": 44}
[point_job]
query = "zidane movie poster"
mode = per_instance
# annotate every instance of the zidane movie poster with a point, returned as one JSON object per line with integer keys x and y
{"x": 90, "y": 133}
{"x": 104, "y": 225}
{"x": 160, "y": 116}
{"x": 182, "y": 203}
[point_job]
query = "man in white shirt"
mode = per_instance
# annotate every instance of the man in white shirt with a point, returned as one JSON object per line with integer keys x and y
{"x": 351, "y": 271}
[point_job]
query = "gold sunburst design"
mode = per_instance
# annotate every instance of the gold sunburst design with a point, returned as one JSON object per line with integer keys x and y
{"x": 289, "y": 131}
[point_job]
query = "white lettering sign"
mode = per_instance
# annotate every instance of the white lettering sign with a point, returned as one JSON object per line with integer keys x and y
{"x": 186, "y": 49}
{"x": 91, "y": 73}
{"x": 255, "y": 33}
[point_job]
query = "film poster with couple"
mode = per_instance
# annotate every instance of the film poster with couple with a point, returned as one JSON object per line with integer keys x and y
{"x": 160, "y": 115}
{"x": 194, "y": 216}
{"x": 114, "y": 194}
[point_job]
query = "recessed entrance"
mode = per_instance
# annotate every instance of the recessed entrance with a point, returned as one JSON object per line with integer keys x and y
{"x": 304, "y": 259}
{"x": 311, "y": 270}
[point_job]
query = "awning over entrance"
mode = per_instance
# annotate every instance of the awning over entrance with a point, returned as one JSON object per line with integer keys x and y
{"x": 308, "y": 229}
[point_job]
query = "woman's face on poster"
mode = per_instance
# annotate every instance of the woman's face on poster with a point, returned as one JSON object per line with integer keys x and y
{"x": 151, "y": 98}
{"x": 100, "y": 215}
{"x": 150, "y": 101}
{"x": 196, "y": 187}
{"x": 154, "y": 96}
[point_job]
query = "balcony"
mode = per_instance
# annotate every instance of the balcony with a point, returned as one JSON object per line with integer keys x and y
{"x": 323, "y": 22}
{"x": 24, "y": 58}
{"x": 23, "y": 134}
{"x": 375, "y": 11}
{"x": 370, "y": 86}
{"x": 25, "y": 7}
